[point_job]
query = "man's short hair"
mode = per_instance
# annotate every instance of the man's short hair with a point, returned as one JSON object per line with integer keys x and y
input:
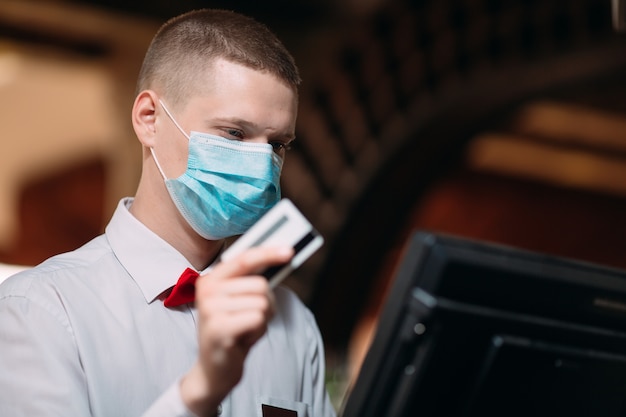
{"x": 187, "y": 45}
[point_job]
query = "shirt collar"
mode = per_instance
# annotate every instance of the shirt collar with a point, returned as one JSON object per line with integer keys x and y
{"x": 151, "y": 262}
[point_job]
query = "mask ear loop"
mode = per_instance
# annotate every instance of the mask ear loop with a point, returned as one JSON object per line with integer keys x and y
{"x": 173, "y": 120}
{"x": 156, "y": 161}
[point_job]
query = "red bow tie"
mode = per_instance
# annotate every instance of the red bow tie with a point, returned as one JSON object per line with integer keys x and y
{"x": 184, "y": 291}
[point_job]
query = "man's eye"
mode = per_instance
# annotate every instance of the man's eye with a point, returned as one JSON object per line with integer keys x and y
{"x": 280, "y": 146}
{"x": 234, "y": 132}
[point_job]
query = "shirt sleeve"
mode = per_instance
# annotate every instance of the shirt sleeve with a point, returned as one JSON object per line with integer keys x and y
{"x": 40, "y": 368}
{"x": 170, "y": 404}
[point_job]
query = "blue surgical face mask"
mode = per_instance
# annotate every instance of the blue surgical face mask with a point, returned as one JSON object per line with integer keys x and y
{"x": 228, "y": 184}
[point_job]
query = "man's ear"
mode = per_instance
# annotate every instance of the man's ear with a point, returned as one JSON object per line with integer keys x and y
{"x": 144, "y": 117}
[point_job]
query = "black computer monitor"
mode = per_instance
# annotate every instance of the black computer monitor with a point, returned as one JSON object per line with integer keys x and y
{"x": 477, "y": 329}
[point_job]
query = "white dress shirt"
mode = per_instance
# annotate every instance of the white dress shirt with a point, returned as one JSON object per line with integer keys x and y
{"x": 85, "y": 333}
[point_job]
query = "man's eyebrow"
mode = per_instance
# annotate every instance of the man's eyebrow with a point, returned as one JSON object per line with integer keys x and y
{"x": 287, "y": 136}
{"x": 233, "y": 120}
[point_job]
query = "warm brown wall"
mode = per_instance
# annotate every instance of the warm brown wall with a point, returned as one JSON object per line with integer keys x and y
{"x": 521, "y": 213}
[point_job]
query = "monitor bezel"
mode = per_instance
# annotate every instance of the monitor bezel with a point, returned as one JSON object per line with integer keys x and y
{"x": 419, "y": 274}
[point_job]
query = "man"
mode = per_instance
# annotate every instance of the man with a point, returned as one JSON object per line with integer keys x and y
{"x": 100, "y": 332}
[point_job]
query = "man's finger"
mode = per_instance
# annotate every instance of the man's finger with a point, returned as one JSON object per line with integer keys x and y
{"x": 252, "y": 261}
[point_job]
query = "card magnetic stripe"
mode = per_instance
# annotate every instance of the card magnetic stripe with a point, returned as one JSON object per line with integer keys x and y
{"x": 301, "y": 244}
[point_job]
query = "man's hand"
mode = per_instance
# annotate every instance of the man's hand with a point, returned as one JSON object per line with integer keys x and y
{"x": 234, "y": 306}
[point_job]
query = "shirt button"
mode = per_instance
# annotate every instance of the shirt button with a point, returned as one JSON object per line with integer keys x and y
{"x": 219, "y": 410}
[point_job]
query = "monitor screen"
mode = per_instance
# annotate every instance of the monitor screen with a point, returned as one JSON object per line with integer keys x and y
{"x": 477, "y": 329}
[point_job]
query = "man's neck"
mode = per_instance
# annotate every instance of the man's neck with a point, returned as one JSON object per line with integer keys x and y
{"x": 164, "y": 219}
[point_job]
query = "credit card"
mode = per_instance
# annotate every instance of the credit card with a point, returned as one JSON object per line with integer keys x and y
{"x": 283, "y": 225}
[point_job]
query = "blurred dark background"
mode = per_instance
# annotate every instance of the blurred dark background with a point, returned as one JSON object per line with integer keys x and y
{"x": 495, "y": 120}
